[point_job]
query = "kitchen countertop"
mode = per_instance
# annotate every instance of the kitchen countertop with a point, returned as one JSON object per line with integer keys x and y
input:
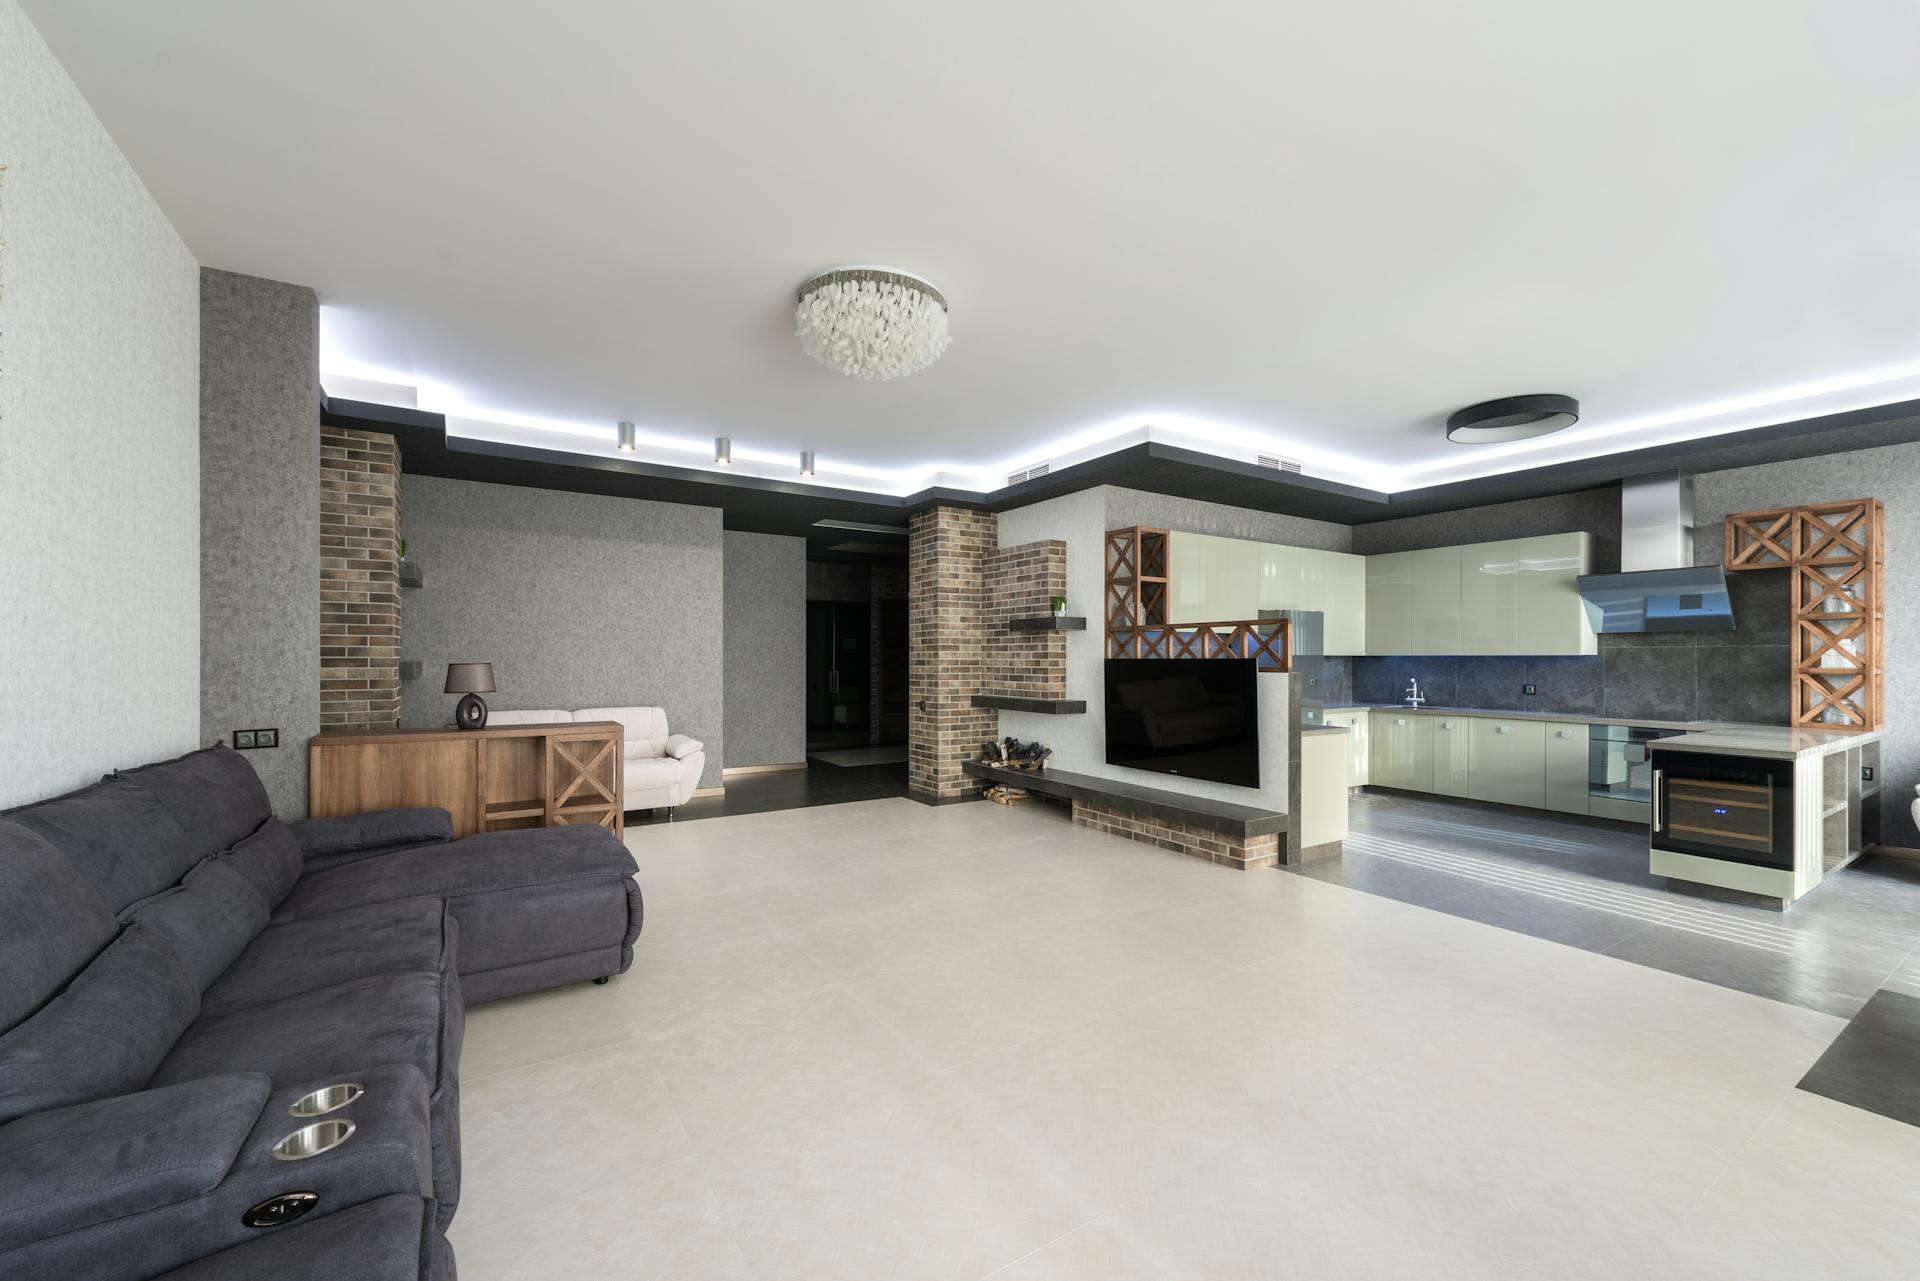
{"x": 1508, "y": 713}
{"x": 1323, "y": 729}
{"x": 1773, "y": 741}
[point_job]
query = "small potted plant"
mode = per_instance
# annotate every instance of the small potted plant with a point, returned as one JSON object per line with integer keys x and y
{"x": 1059, "y": 606}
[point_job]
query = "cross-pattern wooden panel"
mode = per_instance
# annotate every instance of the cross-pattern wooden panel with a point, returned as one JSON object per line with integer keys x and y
{"x": 584, "y": 782}
{"x": 1136, "y": 590}
{"x": 1837, "y": 555}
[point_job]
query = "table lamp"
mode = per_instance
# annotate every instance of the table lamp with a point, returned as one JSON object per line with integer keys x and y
{"x": 470, "y": 680}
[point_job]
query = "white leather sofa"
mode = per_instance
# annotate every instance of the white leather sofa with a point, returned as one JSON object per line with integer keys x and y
{"x": 662, "y": 769}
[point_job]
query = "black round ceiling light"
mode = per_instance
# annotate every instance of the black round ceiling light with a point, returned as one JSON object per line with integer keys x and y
{"x": 1512, "y": 418}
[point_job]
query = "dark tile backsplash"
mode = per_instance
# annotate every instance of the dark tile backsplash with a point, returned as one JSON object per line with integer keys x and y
{"x": 1739, "y": 675}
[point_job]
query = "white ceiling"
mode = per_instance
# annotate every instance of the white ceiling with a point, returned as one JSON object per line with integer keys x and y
{"x": 1313, "y": 228}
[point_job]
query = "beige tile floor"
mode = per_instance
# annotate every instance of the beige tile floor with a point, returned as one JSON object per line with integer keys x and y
{"x": 879, "y": 1040}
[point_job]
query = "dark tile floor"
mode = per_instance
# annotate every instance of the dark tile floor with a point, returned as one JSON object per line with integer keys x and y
{"x": 1588, "y": 886}
{"x": 821, "y": 783}
{"x": 1851, "y": 948}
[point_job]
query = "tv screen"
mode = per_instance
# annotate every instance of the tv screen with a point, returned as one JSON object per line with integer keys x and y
{"x": 1194, "y": 717}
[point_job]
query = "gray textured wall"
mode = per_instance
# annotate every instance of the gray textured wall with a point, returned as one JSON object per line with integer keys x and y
{"x": 99, "y": 446}
{"x": 1891, "y": 474}
{"x": 577, "y": 600}
{"x": 766, "y": 648}
{"x": 260, "y": 522}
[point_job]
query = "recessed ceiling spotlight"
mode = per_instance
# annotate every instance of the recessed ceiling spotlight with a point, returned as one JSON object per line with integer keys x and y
{"x": 806, "y": 462}
{"x": 626, "y": 442}
{"x": 1492, "y": 422}
{"x": 722, "y": 450}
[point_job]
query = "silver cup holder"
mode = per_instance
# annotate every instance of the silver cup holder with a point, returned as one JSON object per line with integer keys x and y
{"x": 322, "y": 1101}
{"x": 312, "y": 1140}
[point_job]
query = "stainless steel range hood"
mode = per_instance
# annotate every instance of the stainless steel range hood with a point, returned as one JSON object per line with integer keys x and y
{"x": 1659, "y": 588}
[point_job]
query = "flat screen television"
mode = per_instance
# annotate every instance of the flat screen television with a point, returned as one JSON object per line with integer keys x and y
{"x": 1194, "y": 717}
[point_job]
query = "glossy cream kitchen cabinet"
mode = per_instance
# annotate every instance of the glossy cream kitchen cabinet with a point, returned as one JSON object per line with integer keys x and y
{"x": 1509, "y": 762}
{"x": 1401, "y": 754}
{"x": 1520, "y": 596}
{"x": 1452, "y": 755}
{"x": 1359, "y": 742}
{"x": 1214, "y": 579}
{"x": 1413, "y": 602}
{"x": 1566, "y": 766}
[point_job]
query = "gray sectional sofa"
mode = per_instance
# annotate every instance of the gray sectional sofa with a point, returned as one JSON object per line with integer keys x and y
{"x": 178, "y": 968}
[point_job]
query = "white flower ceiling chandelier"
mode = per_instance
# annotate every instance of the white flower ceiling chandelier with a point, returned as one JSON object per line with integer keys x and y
{"x": 871, "y": 323}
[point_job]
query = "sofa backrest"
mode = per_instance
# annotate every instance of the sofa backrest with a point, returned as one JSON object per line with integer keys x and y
{"x": 136, "y": 833}
{"x": 51, "y": 923}
{"x": 644, "y": 728}
{"x": 547, "y": 717}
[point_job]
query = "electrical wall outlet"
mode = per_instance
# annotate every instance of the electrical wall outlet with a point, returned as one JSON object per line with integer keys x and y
{"x": 1866, "y": 773}
{"x": 242, "y": 739}
{"x": 266, "y": 738}
{"x": 1527, "y": 689}
{"x": 247, "y": 740}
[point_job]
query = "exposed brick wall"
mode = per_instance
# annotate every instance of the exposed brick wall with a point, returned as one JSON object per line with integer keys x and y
{"x": 884, "y": 583}
{"x": 1021, "y": 583}
{"x": 946, "y": 613}
{"x": 359, "y": 579}
{"x": 1168, "y": 834}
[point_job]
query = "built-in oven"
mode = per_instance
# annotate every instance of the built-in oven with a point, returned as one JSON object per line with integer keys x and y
{"x": 1617, "y": 765}
{"x": 1738, "y": 809}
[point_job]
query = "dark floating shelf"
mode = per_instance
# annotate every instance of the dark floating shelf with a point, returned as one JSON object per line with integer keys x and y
{"x": 410, "y": 669}
{"x": 1046, "y": 706}
{"x": 1048, "y": 623}
{"x": 410, "y": 575}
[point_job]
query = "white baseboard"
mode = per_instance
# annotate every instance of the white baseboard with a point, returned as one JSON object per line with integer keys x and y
{"x": 733, "y": 771}
{"x": 710, "y": 791}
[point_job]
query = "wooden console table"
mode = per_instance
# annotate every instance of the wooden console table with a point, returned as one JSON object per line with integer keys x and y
{"x": 490, "y": 780}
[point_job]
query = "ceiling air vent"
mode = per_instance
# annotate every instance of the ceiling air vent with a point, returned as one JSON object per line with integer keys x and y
{"x": 1273, "y": 462}
{"x": 1034, "y": 472}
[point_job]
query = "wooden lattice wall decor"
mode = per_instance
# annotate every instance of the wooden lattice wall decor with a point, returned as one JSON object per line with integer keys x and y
{"x": 1136, "y": 612}
{"x": 1836, "y": 553}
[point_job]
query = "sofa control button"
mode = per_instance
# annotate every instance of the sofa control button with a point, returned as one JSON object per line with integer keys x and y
{"x": 285, "y": 1208}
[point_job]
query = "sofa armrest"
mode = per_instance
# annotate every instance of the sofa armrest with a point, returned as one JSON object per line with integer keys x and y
{"x": 359, "y": 833}
{"x": 79, "y": 1165}
{"x": 680, "y": 746}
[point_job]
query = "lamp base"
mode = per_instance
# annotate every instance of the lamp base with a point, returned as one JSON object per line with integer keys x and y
{"x": 471, "y": 713}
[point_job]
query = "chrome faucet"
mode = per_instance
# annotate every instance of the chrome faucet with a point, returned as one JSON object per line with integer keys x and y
{"x": 1414, "y": 696}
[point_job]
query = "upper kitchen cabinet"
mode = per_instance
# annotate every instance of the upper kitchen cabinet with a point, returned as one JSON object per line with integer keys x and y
{"x": 1414, "y": 602}
{"x": 1213, "y": 579}
{"x": 1519, "y": 596}
{"x": 1334, "y": 583}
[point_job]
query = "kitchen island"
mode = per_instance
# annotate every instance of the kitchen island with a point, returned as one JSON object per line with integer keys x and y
{"x": 1765, "y": 810}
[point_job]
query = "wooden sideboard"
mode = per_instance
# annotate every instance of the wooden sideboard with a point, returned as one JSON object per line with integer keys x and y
{"x": 490, "y": 780}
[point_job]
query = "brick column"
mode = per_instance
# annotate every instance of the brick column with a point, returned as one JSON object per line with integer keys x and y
{"x": 946, "y": 612}
{"x": 359, "y": 579}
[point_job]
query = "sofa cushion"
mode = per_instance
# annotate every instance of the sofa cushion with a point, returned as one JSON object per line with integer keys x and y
{"x": 542, "y": 716}
{"x": 205, "y": 921}
{"x": 651, "y": 771}
{"x": 105, "y": 1034}
{"x": 388, "y": 1018}
{"x": 643, "y": 728}
{"x": 321, "y": 837}
{"x": 489, "y": 862}
{"x": 213, "y": 794}
{"x": 119, "y": 836}
{"x": 396, "y": 937}
{"x": 51, "y": 923}
{"x": 77, "y": 1166}
{"x": 270, "y": 860}
{"x": 680, "y": 746}
{"x": 380, "y": 1240}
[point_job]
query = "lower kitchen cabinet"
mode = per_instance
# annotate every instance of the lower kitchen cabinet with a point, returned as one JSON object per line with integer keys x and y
{"x": 1567, "y": 765}
{"x": 1359, "y": 743}
{"x": 1402, "y": 751}
{"x": 1509, "y": 762}
{"x": 1453, "y": 755}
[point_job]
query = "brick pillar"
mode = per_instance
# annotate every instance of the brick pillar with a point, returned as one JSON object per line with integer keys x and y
{"x": 359, "y": 579}
{"x": 946, "y": 611}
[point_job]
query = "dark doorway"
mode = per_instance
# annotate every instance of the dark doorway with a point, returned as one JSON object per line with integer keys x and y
{"x": 839, "y": 674}
{"x": 893, "y": 671}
